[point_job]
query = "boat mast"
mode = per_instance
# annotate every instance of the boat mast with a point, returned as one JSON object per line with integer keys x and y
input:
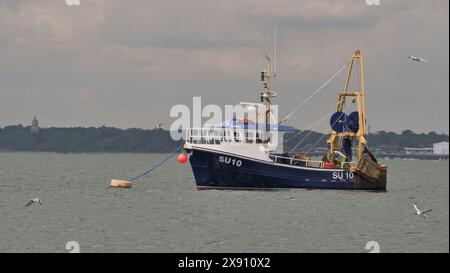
{"x": 358, "y": 96}
{"x": 267, "y": 77}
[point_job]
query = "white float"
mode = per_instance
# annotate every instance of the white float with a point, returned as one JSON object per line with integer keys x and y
{"x": 116, "y": 183}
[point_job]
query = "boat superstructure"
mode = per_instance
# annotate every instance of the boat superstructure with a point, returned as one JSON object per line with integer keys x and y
{"x": 247, "y": 153}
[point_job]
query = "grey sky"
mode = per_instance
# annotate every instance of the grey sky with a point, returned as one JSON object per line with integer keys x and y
{"x": 125, "y": 63}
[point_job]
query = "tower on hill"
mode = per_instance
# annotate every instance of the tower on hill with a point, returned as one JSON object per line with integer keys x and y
{"x": 34, "y": 126}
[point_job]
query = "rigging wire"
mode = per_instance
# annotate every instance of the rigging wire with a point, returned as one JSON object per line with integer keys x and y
{"x": 312, "y": 127}
{"x": 320, "y": 139}
{"x": 314, "y": 93}
{"x": 301, "y": 131}
{"x": 315, "y": 111}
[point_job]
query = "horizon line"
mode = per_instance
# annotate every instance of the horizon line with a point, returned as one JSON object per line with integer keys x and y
{"x": 163, "y": 129}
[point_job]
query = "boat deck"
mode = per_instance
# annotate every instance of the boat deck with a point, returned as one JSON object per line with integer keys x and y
{"x": 290, "y": 159}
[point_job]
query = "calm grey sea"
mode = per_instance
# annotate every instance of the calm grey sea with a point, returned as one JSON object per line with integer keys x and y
{"x": 163, "y": 212}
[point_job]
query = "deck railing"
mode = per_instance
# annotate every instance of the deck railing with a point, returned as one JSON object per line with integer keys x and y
{"x": 203, "y": 136}
{"x": 297, "y": 162}
{"x": 214, "y": 135}
{"x": 304, "y": 162}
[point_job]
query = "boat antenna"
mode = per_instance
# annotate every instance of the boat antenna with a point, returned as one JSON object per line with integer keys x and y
{"x": 267, "y": 93}
{"x": 275, "y": 51}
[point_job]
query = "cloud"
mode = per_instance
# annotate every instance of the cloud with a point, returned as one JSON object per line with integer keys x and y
{"x": 144, "y": 56}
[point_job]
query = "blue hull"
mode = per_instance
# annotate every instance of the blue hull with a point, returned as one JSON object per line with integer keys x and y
{"x": 230, "y": 171}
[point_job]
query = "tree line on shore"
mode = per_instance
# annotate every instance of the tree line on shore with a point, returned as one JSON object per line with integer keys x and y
{"x": 134, "y": 140}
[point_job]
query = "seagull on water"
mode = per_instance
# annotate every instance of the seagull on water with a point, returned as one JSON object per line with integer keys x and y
{"x": 35, "y": 200}
{"x": 417, "y": 59}
{"x": 419, "y": 212}
{"x": 159, "y": 126}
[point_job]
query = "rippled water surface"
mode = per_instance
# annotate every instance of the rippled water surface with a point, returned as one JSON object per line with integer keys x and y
{"x": 164, "y": 213}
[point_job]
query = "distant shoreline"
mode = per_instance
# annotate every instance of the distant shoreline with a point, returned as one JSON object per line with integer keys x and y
{"x": 97, "y": 140}
{"x": 18, "y": 138}
{"x": 78, "y": 153}
{"x": 384, "y": 157}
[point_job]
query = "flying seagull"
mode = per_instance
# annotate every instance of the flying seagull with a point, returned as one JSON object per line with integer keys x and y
{"x": 419, "y": 212}
{"x": 417, "y": 59}
{"x": 33, "y": 201}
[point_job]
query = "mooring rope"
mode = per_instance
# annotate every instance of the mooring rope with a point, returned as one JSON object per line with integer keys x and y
{"x": 157, "y": 165}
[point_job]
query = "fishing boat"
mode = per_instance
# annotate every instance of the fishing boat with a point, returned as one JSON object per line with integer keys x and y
{"x": 237, "y": 153}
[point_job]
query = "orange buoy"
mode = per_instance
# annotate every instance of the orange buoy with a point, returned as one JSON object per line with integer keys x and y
{"x": 182, "y": 158}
